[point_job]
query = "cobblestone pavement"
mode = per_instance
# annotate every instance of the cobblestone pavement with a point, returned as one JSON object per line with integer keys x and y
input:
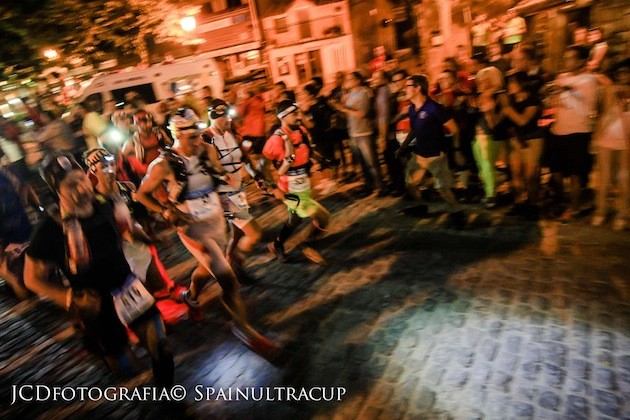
{"x": 503, "y": 320}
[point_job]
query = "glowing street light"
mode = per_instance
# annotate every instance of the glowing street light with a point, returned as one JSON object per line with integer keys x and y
{"x": 188, "y": 23}
{"x": 51, "y": 54}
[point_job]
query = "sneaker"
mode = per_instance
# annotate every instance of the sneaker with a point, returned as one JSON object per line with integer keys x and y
{"x": 490, "y": 202}
{"x": 458, "y": 219}
{"x": 619, "y": 224}
{"x": 598, "y": 220}
{"x": 255, "y": 341}
{"x": 313, "y": 255}
{"x": 281, "y": 256}
{"x": 194, "y": 309}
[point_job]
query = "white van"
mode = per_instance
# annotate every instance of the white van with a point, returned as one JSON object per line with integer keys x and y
{"x": 156, "y": 83}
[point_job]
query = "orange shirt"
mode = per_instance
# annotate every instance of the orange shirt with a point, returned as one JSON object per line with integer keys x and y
{"x": 252, "y": 112}
{"x": 274, "y": 150}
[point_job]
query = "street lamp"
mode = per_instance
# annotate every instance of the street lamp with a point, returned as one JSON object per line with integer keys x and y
{"x": 51, "y": 54}
{"x": 188, "y": 23}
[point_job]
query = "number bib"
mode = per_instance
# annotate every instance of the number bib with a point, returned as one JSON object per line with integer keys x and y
{"x": 203, "y": 207}
{"x": 298, "y": 180}
{"x": 132, "y": 300}
{"x": 239, "y": 200}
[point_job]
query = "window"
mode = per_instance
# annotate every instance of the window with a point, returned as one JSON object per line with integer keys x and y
{"x": 281, "y": 26}
{"x": 233, "y": 3}
{"x": 144, "y": 91}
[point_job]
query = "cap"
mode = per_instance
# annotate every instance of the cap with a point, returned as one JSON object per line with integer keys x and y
{"x": 218, "y": 108}
{"x": 184, "y": 119}
{"x": 286, "y": 107}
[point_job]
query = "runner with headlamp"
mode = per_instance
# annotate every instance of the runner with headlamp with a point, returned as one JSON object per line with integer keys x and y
{"x": 246, "y": 231}
{"x": 290, "y": 153}
{"x": 188, "y": 171}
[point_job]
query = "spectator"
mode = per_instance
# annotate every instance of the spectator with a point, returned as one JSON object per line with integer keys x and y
{"x": 319, "y": 117}
{"x": 489, "y": 130}
{"x": 514, "y": 31}
{"x": 252, "y": 113}
{"x": 357, "y": 107}
{"x": 524, "y": 109}
{"x": 575, "y": 103}
{"x": 56, "y": 135}
{"x": 599, "y": 48}
{"x": 428, "y": 120}
{"x": 496, "y": 58}
{"x": 339, "y": 132}
{"x": 524, "y": 60}
{"x": 93, "y": 124}
{"x": 402, "y": 128}
{"x": 11, "y": 148}
{"x": 480, "y": 36}
{"x": 612, "y": 139}
{"x": 379, "y": 60}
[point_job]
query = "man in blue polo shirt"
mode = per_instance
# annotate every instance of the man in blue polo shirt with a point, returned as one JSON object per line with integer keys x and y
{"x": 428, "y": 120}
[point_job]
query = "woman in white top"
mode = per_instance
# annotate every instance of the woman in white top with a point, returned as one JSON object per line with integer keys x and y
{"x": 612, "y": 139}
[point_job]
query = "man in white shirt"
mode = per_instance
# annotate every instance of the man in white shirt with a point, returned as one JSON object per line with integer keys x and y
{"x": 576, "y": 108}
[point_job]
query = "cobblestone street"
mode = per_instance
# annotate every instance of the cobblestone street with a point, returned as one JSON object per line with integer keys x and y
{"x": 503, "y": 320}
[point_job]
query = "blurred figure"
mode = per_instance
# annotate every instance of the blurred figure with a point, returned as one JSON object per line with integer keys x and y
{"x": 252, "y": 114}
{"x": 379, "y": 60}
{"x": 570, "y": 135}
{"x": 357, "y": 107}
{"x": 612, "y": 139}
{"x": 496, "y": 58}
{"x": 11, "y": 149}
{"x": 56, "y": 135}
{"x": 93, "y": 123}
{"x": 145, "y": 145}
{"x": 599, "y": 48}
{"x": 480, "y": 36}
{"x": 513, "y": 32}
{"x": 524, "y": 109}
{"x": 490, "y": 130}
{"x": 318, "y": 121}
{"x": 428, "y": 120}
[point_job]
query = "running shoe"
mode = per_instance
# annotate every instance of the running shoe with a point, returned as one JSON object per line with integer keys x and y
{"x": 313, "y": 255}
{"x": 194, "y": 309}
{"x": 255, "y": 341}
{"x": 281, "y": 256}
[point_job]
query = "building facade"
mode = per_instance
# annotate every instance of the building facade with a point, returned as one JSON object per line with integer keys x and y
{"x": 307, "y": 39}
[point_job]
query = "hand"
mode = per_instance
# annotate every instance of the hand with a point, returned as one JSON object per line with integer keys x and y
{"x": 176, "y": 217}
{"x": 460, "y": 160}
{"x": 278, "y": 194}
{"x": 87, "y": 303}
{"x": 231, "y": 180}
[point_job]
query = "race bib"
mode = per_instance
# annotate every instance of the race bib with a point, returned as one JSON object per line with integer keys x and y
{"x": 202, "y": 208}
{"x": 299, "y": 183}
{"x": 239, "y": 200}
{"x": 132, "y": 300}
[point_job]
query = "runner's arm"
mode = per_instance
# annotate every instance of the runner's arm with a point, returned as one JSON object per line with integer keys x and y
{"x": 156, "y": 175}
{"x": 36, "y": 275}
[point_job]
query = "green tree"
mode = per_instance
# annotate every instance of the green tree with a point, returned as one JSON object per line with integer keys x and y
{"x": 94, "y": 30}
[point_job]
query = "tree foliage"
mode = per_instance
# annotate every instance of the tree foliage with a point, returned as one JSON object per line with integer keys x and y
{"x": 91, "y": 31}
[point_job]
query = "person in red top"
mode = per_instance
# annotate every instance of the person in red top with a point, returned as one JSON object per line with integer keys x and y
{"x": 290, "y": 153}
{"x": 145, "y": 145}
{"x": 252, "y": 113}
